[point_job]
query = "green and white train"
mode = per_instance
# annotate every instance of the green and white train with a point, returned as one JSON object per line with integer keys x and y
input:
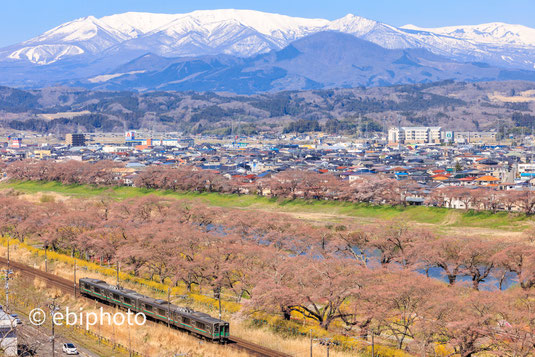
{"x": 198, "y": 323}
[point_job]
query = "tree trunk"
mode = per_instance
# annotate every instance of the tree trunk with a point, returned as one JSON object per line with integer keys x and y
{"x": 364, "y": 329}
{"x": 325, "y": 324}
{"x": 286, "y": 313}
{"x": 452, "y": 279}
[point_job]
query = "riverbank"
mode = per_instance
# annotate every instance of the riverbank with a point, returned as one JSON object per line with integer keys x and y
{"x": 419, "y": 214}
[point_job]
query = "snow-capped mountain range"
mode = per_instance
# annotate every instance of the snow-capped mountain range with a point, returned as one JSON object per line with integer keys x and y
{"x": 247, "y": 32}
{"x": 92, "y": 46}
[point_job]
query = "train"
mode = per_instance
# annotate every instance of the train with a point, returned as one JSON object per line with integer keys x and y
{"x": 195, "y": 322}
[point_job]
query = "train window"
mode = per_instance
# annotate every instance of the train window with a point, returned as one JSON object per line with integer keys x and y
{"x": 127, "y": 300}
{"x": 185, "y": 320}
{"x": 116, "y": 296}
{"x": 97, "y": 290}
{"x": 161, "y": 312}
{"x": 199, "y": 324}
{"x": 148, "y": 307}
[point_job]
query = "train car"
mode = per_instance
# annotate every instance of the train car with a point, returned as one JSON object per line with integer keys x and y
{"x": 196, "y": 322}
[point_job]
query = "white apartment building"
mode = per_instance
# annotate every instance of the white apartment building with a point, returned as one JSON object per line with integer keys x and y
{"x": 417, "y": 135}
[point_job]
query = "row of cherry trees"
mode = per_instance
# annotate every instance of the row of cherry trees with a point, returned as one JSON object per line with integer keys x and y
{"x": 289, "y": 184}
{"x": 67, "y": 172}
{"x": 355, "y": 279}
{"x": 484, "y": 199}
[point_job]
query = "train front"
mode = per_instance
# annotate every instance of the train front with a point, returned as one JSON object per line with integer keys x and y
{"x": 222, "y": 330}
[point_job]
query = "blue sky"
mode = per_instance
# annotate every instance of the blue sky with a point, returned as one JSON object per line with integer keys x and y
{"x": 23, "y": 19}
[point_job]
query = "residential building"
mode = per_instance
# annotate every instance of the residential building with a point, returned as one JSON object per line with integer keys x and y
{"x": 526, "y": 170}
{"x": 416, "y": 135}
{"x": 474, "y": 136}
{"x": 14, "y": 143}
{"x": 75, "y": 139}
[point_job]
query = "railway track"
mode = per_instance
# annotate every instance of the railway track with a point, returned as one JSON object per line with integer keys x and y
{"x": 69, "y": 287}
{"x": 255, "y": 349}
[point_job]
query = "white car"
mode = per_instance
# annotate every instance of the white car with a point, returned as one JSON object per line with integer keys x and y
{"x": 17, "y": 320}
{"x": 70, "y": 349}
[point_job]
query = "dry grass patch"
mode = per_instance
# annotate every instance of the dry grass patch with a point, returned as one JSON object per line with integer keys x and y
{"x": 522, "y": 97}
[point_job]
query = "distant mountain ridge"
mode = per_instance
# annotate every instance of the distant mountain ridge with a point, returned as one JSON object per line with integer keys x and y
{"x": 322, "y": 60}
{"x": 99, "y": 47}
{"x": 458, "y": 106}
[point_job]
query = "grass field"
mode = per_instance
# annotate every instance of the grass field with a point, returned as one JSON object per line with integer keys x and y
{"x": 418, "y": 214}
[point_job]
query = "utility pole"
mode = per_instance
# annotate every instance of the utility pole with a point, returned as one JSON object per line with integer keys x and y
{"x": 129, "y": 344}
{"x": 232, "y": 133}
{"x": 168, "y": 305}
{"x": 8, "y": 253}
{"x": 399, "y": 132}
{"x": 7, "y": 273}
{"x": 500, "y": 129}
{"x": 118, "y": 268}
{"x": 327, "y": 342}
{"x": 385, "y": 128}
{"x": 53, "y": 308}
{"x": 74, "y": 282}
{"x": 373, "y": 344}
{"x": 310, "y": 343}
{"x": 359, "y": 126}
{"x": 219, "y": 298}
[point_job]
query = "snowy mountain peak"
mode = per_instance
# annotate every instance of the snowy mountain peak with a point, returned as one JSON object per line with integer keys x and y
{"x": 412, "y": 27}
{"x": 81, "y": 29}
{"x": 263, "y": 22}
{"x": 135, "y": 24}
{"x": 86, "y": 35}
{"x": 123, "y": 37}
{"x": 496, "y": 33}
{"x": 353, "y": 24}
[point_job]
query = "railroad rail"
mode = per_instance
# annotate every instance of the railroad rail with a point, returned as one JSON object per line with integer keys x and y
{"x": 69, "y": 286}
{"x": 255, "y": 349}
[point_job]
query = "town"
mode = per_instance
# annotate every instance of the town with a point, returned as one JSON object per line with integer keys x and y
{"x": 431, "y": 157}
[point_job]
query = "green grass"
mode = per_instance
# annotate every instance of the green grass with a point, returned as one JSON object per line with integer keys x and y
{"x": 420, "y": 214}
{"x": 492, "y": 220}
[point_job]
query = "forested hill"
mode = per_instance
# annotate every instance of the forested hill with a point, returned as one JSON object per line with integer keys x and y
{"x": 458, "y": 105}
